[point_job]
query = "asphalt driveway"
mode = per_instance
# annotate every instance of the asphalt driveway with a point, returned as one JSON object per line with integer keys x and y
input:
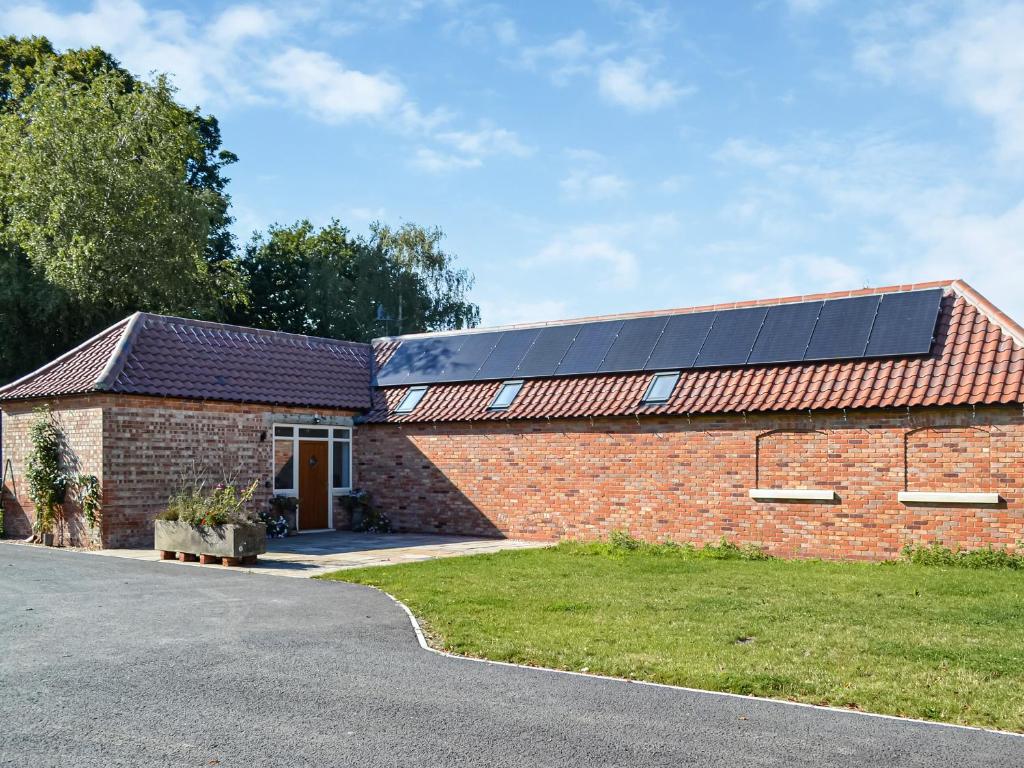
{"x": 114, "y": 662}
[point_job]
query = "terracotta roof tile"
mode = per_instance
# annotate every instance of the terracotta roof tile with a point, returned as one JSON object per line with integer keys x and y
{"x": 977, "y": 358}
{"x": 176, "y": 357}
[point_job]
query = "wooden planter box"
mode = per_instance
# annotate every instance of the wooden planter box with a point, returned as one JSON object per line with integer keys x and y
{"x": 233, "y": 543}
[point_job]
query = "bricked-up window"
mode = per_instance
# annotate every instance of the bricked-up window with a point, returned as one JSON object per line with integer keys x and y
{"x": 411, "y": 400}
{"x": 506, "y": 394}
{"x": 661, "y": 387}
{"x": 286, "y": 447}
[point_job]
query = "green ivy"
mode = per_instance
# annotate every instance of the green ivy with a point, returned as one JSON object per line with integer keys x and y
{"x": 89, "y": 498}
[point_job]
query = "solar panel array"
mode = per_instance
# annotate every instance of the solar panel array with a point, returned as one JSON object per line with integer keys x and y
{"x": 885, "y": 325}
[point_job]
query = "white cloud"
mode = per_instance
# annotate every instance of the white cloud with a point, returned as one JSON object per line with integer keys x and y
{"x": 482, "y": 27}
{"x": 593, "y": 255}
{"x": 986, "y": 249}
{"x": 630, "y": 84}
{"x": 468, "y": 149}
{"x": 791, "y": 275}
{"x": 974, "y": 59}
{"x": 511, "y": 311}
{"x": 641, "y": 20}
{"x": 433, "y": 161}
{"x": 584, "y": 184}
{"x": 806, "y": 6}
{"x": 903, "y": 212}
{"x": 566, "y": 57}
{"x": 144, "y": 41}
{"x": 242, "y": 22}
{"x": 329, "y": 90}
{"x": 243, "y": 56}
{"x": 488, "y": 140}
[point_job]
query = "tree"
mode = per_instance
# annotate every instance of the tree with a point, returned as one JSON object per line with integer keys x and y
{"x": 22, "y": 62}
{"x": 327, "y": 283}
{"x": 112, "y": 199}
{"x": 94, "y": 192}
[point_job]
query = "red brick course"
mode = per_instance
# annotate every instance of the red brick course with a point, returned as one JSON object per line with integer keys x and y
{"x": 688, "y": 479}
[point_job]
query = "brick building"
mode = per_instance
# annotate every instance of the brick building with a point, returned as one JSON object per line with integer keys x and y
{"x": 840, "y": 425}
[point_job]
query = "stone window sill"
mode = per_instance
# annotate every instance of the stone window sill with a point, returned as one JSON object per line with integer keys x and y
{"x": 792, "y": 494}
{"x": 943, "y": 497}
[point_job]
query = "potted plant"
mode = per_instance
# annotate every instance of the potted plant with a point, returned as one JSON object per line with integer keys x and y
{"x": 286, "y": 507}
{"x": 362, "y": 515}
{"x": 211, "y": 525}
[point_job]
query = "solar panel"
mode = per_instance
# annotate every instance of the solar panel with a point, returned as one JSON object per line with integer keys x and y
{"x": 842, "y": 329}
{"x": 633, "y": 344}
{"x": 588, "y": 350}
{"x": 396, "y": 369}
{"x": 548, "y": 350}
{"x": 786, "y": 331}
{"x": 419, "y": 360}
{"x": 464, "y": 364}
{"x": 731, "y": 337}
{"x": 680, "y": 341}
{"x": 891, "y": 324}
{"x": 905, "y": 323}
{"x": 510, "y": 349}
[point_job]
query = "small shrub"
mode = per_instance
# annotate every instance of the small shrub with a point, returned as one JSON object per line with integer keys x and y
{"x": 622, "y": 543}
{"x": 621, "y": 540}
{"x": 936, "y": 554}
{"x": 726, "y": 550}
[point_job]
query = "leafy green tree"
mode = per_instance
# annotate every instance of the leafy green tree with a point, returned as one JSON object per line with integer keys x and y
{"x": 112, "y": 199}
{"x": 328, "y": 283}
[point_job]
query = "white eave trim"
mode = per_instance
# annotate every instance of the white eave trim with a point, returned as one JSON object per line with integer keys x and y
{"x": 943, "y": 497}
{"x": 792, "y": 494}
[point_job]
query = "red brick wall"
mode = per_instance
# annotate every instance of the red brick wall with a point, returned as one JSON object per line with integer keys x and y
{"x": 688, "y": 480}
{"x": 151, "y": 443}
{"x": 141, "y": 448}
{"x": 81, "y": 423}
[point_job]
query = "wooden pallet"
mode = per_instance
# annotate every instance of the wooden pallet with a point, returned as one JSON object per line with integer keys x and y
{"x": 228, "y": 562}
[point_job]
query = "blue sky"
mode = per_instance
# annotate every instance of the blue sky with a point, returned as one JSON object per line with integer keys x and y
{"x": 617, "y": 155}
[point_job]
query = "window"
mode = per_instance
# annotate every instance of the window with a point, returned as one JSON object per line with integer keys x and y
{"x": 411, "y": 400}
{"x": 506, "y": 394}
{"x": 341, "y": 460}
{"x": 286, "y": 449}
{"x": 661, "y": 387}
{"x": 341, "y": 466}
{"x": 284, "y": 463}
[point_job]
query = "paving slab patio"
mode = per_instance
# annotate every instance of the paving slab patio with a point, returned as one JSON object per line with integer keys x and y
{"x": 311, "y": 554}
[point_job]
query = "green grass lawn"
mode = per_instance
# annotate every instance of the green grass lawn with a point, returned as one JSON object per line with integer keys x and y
{"x": 921, "y": 641}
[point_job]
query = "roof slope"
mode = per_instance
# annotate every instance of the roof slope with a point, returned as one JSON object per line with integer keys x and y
{"x": 174, "y": 357}
{"x": 977, "y": 358}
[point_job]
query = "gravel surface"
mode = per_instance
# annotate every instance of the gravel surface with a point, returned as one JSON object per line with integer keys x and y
{"x": 109, "y": 662}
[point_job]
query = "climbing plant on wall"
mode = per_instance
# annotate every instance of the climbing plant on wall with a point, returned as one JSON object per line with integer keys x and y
{"x": 89, "y": 498}
{"x": 47, "y": 483}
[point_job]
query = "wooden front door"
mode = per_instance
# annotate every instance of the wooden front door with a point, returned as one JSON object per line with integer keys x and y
{"x": 313, "y": 495}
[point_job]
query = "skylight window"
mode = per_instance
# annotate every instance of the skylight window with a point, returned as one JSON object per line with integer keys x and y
{"x": 411, "y": 400}
{"x": 661, "y": 387}
{"x": 506, "y": 394}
